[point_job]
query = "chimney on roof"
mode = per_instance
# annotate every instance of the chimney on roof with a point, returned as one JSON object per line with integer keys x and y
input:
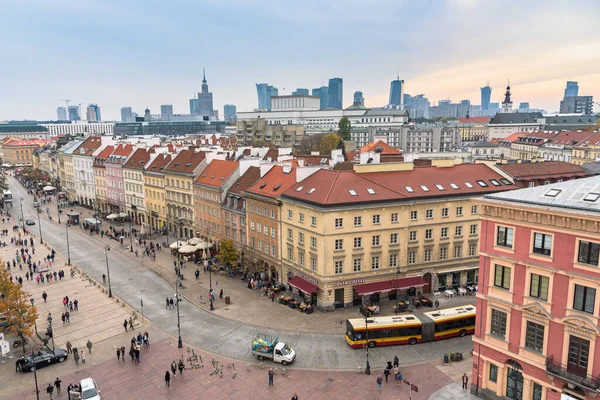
{"x": 287, "y": 168}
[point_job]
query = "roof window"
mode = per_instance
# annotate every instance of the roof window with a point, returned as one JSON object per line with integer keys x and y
{"x": 495, "y": 182}
{"x": 300, "y": 188}
{"x": 592, "y": 197}
{"x": 482, "y": 183}
{"x": 553, "y": 192}
{"x": 276, "y": 187}
{"x": 370, "y": 191}
{"x": 177, "y": 164}
{"x": 468, "y": 184}
{"x": 506, "y": 181}
{"x": 212, "y": 177}
{"x": 312, "y": 190}
{"x": 188, "y": 165}
{"x": 440, "y": 187}
{"x": 454, "y": 186}
{"x": 352, "y": 192}
{"x": 425, "y": 188}
{"x": 262, "y": 185}
{"x": 409, "y": 189}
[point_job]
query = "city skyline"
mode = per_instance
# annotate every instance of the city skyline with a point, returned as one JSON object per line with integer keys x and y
{"x": 501, "y": 42}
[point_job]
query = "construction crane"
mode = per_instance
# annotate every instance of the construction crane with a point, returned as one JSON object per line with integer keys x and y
{"x": 66, "y": 101}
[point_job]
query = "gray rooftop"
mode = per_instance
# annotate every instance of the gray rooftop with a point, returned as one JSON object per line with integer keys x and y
{"x": 578, "y": 194}
{"x": 483, "y": 143}
{"x": 516, "y": 118}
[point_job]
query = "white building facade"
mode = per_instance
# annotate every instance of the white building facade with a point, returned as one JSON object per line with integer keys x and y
{"x": 81, "y": 128}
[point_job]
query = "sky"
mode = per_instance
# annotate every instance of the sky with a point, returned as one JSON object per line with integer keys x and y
{"x": 142, "y": 54}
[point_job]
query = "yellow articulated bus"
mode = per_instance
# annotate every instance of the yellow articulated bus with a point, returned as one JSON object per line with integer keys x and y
{"x": 411, "y": 328}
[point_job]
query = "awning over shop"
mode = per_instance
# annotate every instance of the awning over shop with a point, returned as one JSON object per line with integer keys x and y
{"x": 303, "y": 285}
{"x": 389, "y": 286}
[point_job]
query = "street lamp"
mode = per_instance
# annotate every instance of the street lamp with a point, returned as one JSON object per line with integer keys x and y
{"x": 40, "y": 225}
{"x": 179, "y": 341}
{"x": 37, "y": 390}
{"x": 22, "y": 216}
{"x": 397, "y": 282}
{"x": 68, "y": 247}
{"x": 368, "y": 368}
{"x": 57, "y": 208}
{"x": 32, "y": 300}
{"x": 130, "y": 237}
{"x": 106, "y": 249}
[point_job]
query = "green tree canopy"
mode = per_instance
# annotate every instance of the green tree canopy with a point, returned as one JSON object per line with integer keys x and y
{"x": 344, "y": 128}
{"x": 228, "y": 254}
{"x": 16, "y": 307}
{"x": 330, "y": 142}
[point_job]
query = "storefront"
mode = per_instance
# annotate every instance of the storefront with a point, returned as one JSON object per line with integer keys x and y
{"x": 452, "y": 279}
{"x": 305, "y": 287}
{"x": 370, "y": 293}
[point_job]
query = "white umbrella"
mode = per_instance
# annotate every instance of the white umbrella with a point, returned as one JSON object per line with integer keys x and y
{"x": 195, "y": 240}
{"x": 177, "y": 244}
{"x": 187, "y": 249}
{"x": 202, "y": 246}
{"x": 123, "y": 215}
{"x": 111, "y": 216}
{"x": 49, "y": 188}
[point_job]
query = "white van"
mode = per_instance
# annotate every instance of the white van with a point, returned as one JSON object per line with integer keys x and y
{"x": 89, "y": 390}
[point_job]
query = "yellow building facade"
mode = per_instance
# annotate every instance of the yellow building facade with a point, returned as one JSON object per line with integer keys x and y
{"x": 154, "y": 192}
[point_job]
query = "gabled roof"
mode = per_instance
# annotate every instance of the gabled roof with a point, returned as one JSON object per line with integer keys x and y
{"x": 380, "y": 147}
{"x": 89, "y": 146}
{"x": 250, "y": 177}
{"x": 542, "y": 169}
{"x": 348, "y": 187}
{"x": 476, "y": 120}
{"x": 28, "y": 142}
{"x": 217, "y": 172}
{"x": 272, "y": 154}
{"x": 516, "y": 118}
{"x": 592, "y": 140}
{"x": 185, "y": 162}
{"x": 138, "y": 159}
{"x": 159, "y": 163}
{"x": 483, "y": 143}
{"x": 576, "y": 194}
{"x": 122, "y": 150}
{"x": 102, "y": 156}
{"x": 274, "y": 182}
{"x": 569, "y": 138}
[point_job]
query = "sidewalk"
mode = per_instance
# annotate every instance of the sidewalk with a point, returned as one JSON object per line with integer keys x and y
{"x": 247, "y": 305}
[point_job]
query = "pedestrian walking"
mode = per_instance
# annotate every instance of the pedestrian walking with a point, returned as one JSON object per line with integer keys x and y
{"x": 89, "y": 346}
{"x": 397, "y": 375}
{"x": 221, "y": 294}
{"x": 167, "y": 302}
{"x": 63, "y": 318}
{"x": 76, "y": 305}
{"x": 131, "y": 323}
{"x": 125, "y": 325}
{"x": 437, "y": 305}
{"x": 386, "y": 373}
{"x": 69, "y": 388}
{"x": 465, "y": 381}
{"x": 123, "y": 353}
{"x": 167, "y": 379}
{"x": 197, "y": 273}
{"x": 295, "y": 397}
{"x": 136, "y": 351}
{"x": 131, "y": 352}
{"x": 139, "y": 338}
{"x": 76, "y": 357}
{"x": 118, "y": 355}
{"x": 396, "y": 362}
{"x": 69, "y": 347}
{"x": 44, "y": 296}
{"x": 379, "y": 382}
{"x": 146, "y": 339}
{"x": 82, "y": 357}
{"x": 171, "y": 303}
{"x": 271, "y": 375}
{"x": 57, "y": 383}
{"x": 174, "y": 368}
{"x": 181, "y": 367}
{"x": 50, "y": 391}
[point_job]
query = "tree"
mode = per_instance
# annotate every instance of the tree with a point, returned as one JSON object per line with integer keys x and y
{"x": 228, "y": 254}
{"x": 309, "y": 143}
{"x": 344, "y": 128}
{"x": 16, "y": 307}
{"x": 330, "y": 142}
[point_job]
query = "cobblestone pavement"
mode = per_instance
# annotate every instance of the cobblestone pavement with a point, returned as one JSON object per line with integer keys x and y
{"x": 146, "y": 380}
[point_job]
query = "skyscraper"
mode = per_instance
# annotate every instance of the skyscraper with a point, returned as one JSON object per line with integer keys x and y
{"x": 93, "y": 113}
{"x": 61, "y": 113}
{"x": 265, "y": 92}
{"x": 205, "y": 99}
{"x": 166, "y": 112}
{"x": 127, "y": 114}
{"x": 524, "y": 106}
{"x": 323, "y": 94}
{"x": 229, "y": 113}
{"x": 336, "y": 93}
{"x": 397, "y": 92}
{"x": 572, "y": 89}
{"x": 486, "y": 95}
{"x": 74, "y": 113}
{"x": 300, "y": 91}
{"x": 358, "y": 98}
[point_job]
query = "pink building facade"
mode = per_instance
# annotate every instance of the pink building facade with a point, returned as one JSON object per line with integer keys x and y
{"x": 115, "y": 186}
{"x": 539, "y": 293}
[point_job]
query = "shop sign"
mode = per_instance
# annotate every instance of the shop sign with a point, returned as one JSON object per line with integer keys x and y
{"x": 349, "y": 282}
{"x": 308, "y": 278}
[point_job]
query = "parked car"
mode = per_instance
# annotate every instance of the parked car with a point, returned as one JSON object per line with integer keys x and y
{"x": 29, "y": 222}
{"x": 87, "y": 390}
{"x": 41, "y": 359}
{"x": 36, "y": 204}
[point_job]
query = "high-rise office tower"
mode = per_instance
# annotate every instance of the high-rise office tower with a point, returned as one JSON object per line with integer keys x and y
{"x": 572, "y": 89}
{"x": 265, "y": 92}
{"x": 336, "y": 93}
{"x": 397, "y": 92}
{"x": 486, "y": 95}
{"x": 74, "y": 113}
{"x": 93, "y": 113}
{"x": 300, "y": 91}
{"x": 358, "y": 98}
{"x": 577, "y": 105}
{"x": 524, "y": 106}
{"x": 230, "y": 113}
{"x": 205, "y": 99}
{"x": 61, "y": 114}
{"x": 166, "y": 112}
{"x": 323, "y": 94}
{"x": 127, "y": 114}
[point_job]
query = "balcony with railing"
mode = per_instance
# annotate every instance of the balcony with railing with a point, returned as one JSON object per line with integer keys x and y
{"x": 560, "y": 371}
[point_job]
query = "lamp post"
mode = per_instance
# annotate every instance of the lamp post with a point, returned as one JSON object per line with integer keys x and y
{"x": 368, "y": 367}
{"x": 37, "y": 390}
{"x": 106, "y": 249}
{"x": 40, "y": 225}
{"x": 130, "y": 237}
{"x": 397, "y": 282}
{"x": 57, "y": 208}
{"x": 68, "y": 248}
{"x": 22, "y": 216}
{"x": 32, "y": 300}
{"x": 179, "y": 341}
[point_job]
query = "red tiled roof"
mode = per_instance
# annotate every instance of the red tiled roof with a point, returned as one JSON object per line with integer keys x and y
{"x": 570, "y": 137}
{"x": 138, "y": 159}
{"x": 88, "y": 146}
{"x": 477, "y": 120}
{"x": 387, "y": 149}
{"x": 27, "y": 142}
{"x": 123, "y": 150}
{"x": 103, "y": 155}
{"x": 160, "y": 162}
{"x": 185, "y": 162}
{"x": 348, "y": 187}
{"x": 272, "y": 154}
{"x": 312, "y": 160}
{"x": 593, "y": 139}
{"x": 542, "y": 169}
{"x": 248, "y": 179}
{"x": 217, "y": 172}
{"x": 274, "y": 182}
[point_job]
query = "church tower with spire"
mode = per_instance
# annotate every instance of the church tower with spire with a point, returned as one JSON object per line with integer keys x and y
{"x": 507, "y": 103}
